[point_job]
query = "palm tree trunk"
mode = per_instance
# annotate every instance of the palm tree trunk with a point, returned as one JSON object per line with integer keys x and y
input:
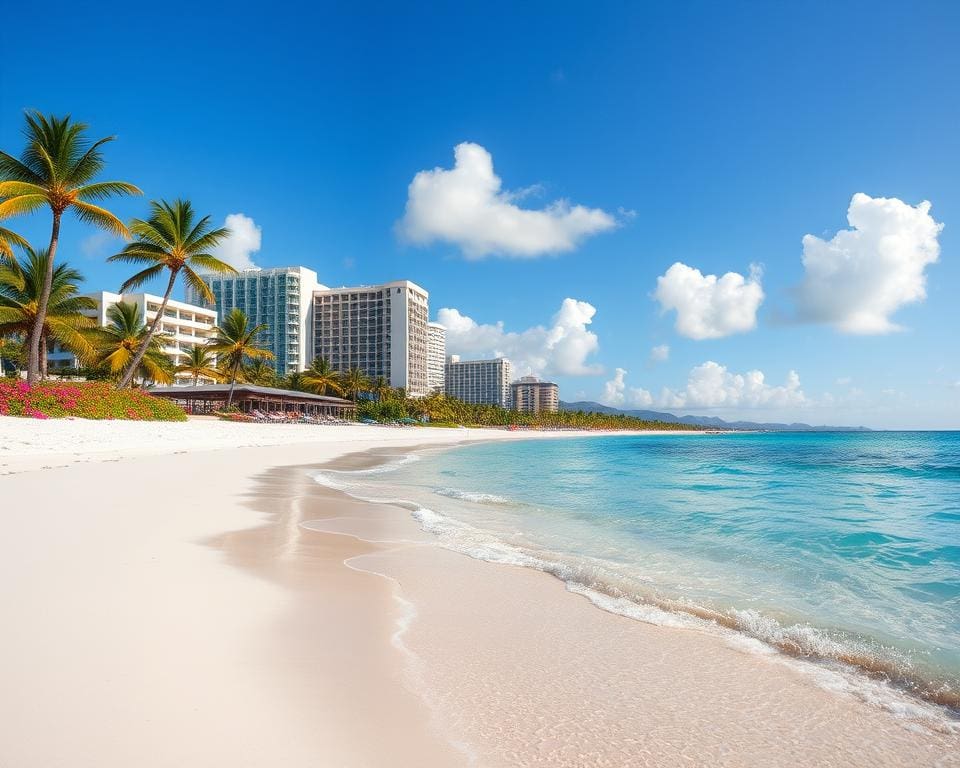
{"x": 137, "y": 358}
{"x": 233, "y": 382}
{"x": 36, "y": 333}
{"x": 43, "y": 356}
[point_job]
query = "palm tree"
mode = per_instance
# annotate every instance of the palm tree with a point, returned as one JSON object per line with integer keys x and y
{"x": 294, "y": 381}
{"x": 381, "y": 389}
{"x": 259, "y": 372}
{"x": 120, "y": 340}
{"x": 200, "y": 364}
{"x": 236, "y": 342}
{"x": 354, "y": 382}
{"x": 57, "y": 169}
{"x": 172, "y": 240}
{"x": 321, "y": 378}
{"x": 21, "y": 284}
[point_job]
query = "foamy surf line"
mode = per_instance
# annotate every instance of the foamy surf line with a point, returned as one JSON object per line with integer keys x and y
{"x": 889, "y": 682}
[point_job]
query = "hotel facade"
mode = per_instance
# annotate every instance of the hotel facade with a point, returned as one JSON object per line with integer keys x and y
{"x": 184, "y": 325}
{"x": 281, "y": 297}
{"x": 436, "y": 356}
{"x": 478, "y": 381}
{"x": 380, "y": 329}
{"x": 530, "y": 395}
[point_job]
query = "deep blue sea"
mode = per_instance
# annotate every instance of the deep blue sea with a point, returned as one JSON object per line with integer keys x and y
{"x": 841, "y": 548}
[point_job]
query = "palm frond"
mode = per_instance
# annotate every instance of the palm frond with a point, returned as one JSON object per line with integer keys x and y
{"x": 15, "y": 188}
{"x": 136, "y": 253}
{"x": 105, "y": 189}
{"x": 71, "y": 337}
{"x": 15, "y": 170}
{"x": 9, "y": 238}
{"x": 17, "y": 206}
{"x": 196, "y": 281}
{"x": 90, "y": 164}
{"x": 141, "y": 277}
{"x": 100, "y": 217}
{"x": 210, "y": 263}
{"x": 152, "y": 231}
{"x": 208, "y": 240}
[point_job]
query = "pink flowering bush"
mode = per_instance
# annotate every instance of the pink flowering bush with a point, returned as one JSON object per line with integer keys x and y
{"x": 84, "y": 400}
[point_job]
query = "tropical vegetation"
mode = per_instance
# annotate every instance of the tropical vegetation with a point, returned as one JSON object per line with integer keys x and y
{"x": 21, "y": 287}
{"x": 258, "y": 372}
{"x": 57, "y": 169}
{"x": 174, "y": 242}
{"x": 236, "y": 344}
{"x": 440, "y": 410}
{"x": 86, "y": 400}
{"x": 121, "y": 340}
{"x": 201, "y": 364}
{"x": 320, "y": 378}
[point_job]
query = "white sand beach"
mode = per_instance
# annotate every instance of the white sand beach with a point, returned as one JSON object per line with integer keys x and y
{"x": 185, "y": 594}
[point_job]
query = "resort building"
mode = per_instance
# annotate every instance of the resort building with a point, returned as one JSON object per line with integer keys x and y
{"x": 280, "y": 297}
{"x": 184, "y": 326}
{"x": 530, "y": 395}
{"x": 478, "y": 381}
{"x": 380, "y": 329}
{"x": 436, "y": 356}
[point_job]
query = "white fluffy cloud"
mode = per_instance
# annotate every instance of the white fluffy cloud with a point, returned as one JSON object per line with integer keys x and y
{"x": 707, "y": 306}
{"x": 561, "y": 349}
{"x": 660, "y": 353}
{"x": 858, "y": 279}
{"x": 244, "y": 241}
{"x": 617, "y": 394}
{"x": 466, "y": 206}
{"x": 710, "y": 385}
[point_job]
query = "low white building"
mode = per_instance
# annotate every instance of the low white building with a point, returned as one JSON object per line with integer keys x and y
{"x": 185, "y": 325}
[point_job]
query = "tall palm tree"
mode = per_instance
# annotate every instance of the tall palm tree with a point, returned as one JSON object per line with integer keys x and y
{"x": 354, "y": 382}
{"x": 235, "y": 343}
{"x": 172, "y": 240}
{"x": 321, "y": 378}
{"x": 57, "y": 169}
{"x": 124, "y": 335}
{"x": 21, "y": 284}
{"x": 201, "y": 364}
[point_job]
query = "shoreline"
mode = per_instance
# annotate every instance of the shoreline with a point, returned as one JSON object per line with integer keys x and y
{"x": 342, "y": 633}
{"x": 850, "y": 683}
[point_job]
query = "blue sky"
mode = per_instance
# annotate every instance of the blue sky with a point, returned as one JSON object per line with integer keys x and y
{"x": 713, "y": 135}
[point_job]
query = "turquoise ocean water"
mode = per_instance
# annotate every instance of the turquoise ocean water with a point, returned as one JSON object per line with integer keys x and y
{"x": 840, "y": 548}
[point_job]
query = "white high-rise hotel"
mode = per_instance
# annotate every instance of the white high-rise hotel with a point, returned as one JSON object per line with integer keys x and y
{"x": 380, "y": 329}
{"x": 479, "y": 381}
{"x": 436, "y": 356}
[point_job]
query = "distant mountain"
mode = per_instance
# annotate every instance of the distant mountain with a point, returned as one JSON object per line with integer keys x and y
{"x": 703, "y": 421}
